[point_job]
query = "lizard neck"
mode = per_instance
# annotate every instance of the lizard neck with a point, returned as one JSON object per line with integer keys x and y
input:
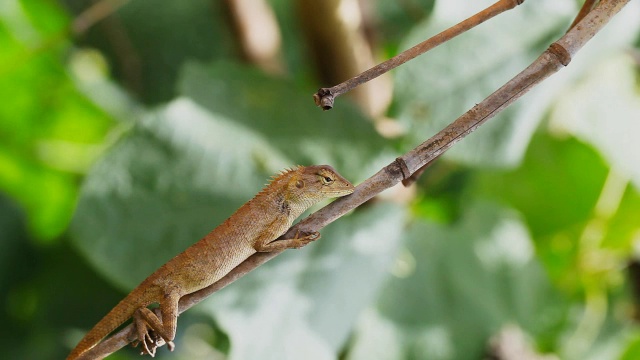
{"x": 288, "y": 207}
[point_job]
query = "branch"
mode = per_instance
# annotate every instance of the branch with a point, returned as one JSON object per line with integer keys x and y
{"x": 257, "y": 32}
{"x": 557, "y": 56}
{"x": 584, "y": 10}
{"x": 94, "y": 14}
{"x": 101, "y": 12}
{"x": 322, "y": 23}
{"x": 326, "y": 96}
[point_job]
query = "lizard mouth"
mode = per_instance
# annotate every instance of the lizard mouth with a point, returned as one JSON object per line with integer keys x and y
{"x": 345, "y": 191}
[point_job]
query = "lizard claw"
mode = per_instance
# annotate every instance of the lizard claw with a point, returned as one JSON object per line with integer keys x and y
{"x": 147, "y": 345}
{"x": 150, "y": 345}
{"x": 148, "y": 337}
{"x": 150, "y": 342}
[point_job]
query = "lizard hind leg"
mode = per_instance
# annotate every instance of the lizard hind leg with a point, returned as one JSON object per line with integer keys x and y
{"x": 153, "y": 330}
{"x": 282, "y": 244}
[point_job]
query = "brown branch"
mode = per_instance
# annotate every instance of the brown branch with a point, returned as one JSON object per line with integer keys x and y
{"x": 553, "y": 59}
{"x": 94, "y": 14}
{"x": 326, "y": 96}
{"x": 584, "y": 10}
{"x": 322, "y": 23}
{"x": 257, "y": 32}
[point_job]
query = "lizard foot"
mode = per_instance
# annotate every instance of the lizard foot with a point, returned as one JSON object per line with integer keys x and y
{"x": 304, "y": 240}
{"x": 282, "y": 244}
{"x": 152, "y": 341}
{"x": 149, "y": 339}
{"x": 149, "y": 343}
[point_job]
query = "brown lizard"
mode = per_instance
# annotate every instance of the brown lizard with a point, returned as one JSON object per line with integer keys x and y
{"x": 254, "y": 227}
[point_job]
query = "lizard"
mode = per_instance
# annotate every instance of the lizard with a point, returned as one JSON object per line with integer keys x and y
{"x": 254, "y": 227}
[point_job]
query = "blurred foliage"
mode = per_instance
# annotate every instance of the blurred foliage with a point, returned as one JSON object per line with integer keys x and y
{"x": 122, "y": 145}
{"x": 49, "y": 131}
{"x": 458, "y": 82}
{"x": 474, "y": 276}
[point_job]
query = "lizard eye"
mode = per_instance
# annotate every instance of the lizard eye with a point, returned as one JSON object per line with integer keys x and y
{"x": 326, "y": 180}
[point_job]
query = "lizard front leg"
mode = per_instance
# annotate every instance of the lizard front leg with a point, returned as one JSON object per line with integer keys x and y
{"x": 151, "y": 328}
{"x": 295, "y": 243}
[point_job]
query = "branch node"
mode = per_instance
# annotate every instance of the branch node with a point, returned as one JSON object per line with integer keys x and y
{"x": 403, "y": 168}
{"x": 324, "y": 98}
{"x": 561, "y": 53}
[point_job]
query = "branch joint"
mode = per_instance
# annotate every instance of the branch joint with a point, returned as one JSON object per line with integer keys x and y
{"x": 560, "y": 52}
{"x": 403, "y": 168}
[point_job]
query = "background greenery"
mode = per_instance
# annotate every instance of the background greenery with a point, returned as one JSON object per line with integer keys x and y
{"x": 527, "y": 226}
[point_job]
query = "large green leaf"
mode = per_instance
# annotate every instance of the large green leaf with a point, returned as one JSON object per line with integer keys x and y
{"x": 460, "y": 285}
{"x": 557, "y": 190}
{"x": 184, "y": 169}
{"x": 175, "y": 176}
{"x": 556, "y": 187}
{"x": 434, "y": 89}
{"x": 284, "y": 113}
{"x": 396, "y": 18}
{"x": 603, "y": 110}
{"x": 147, "y": 41}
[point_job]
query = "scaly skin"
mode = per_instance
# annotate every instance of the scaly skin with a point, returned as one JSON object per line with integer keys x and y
{"x": 252, "y": 228}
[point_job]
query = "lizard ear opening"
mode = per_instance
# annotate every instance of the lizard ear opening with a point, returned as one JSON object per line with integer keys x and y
{"x": 299, "y": 184}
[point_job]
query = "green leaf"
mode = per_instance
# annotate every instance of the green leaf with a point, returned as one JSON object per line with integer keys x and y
{"x": 396, "y": 18}
{"x": 461, "y": 284}
{"x": 285, "y": 114}
{"x": 48, "y": 130}
{"x": 603, "y": 110}
{"x": 555, "y": 190}
{"x": 556, "y": 187}
{"x": 622, "y": 229}
{"x": 184, "y": 169}
{"x": 434, "y": 89}
{"x": 176, "y": 175}
{"x": 153, "y": 40}
{"x": 633, "y": 347}
{"x": 46, "y": 16}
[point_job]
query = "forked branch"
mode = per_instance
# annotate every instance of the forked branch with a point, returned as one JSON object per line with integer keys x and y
{"x": 557, "y": 56}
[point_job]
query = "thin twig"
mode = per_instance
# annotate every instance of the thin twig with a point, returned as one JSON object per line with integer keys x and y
{"x": 324, "y": 22}
{"x": 584, "y": 10}
{"x": 552, "y": 60}
{"x": 94, "y": 14}
{"x": 326, "y": 96}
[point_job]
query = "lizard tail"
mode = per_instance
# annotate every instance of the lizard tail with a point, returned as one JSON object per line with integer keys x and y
{"x": 139, "y": 297}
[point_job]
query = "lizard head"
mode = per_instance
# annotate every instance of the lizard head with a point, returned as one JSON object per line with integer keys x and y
{"x": 311, "y": 184}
